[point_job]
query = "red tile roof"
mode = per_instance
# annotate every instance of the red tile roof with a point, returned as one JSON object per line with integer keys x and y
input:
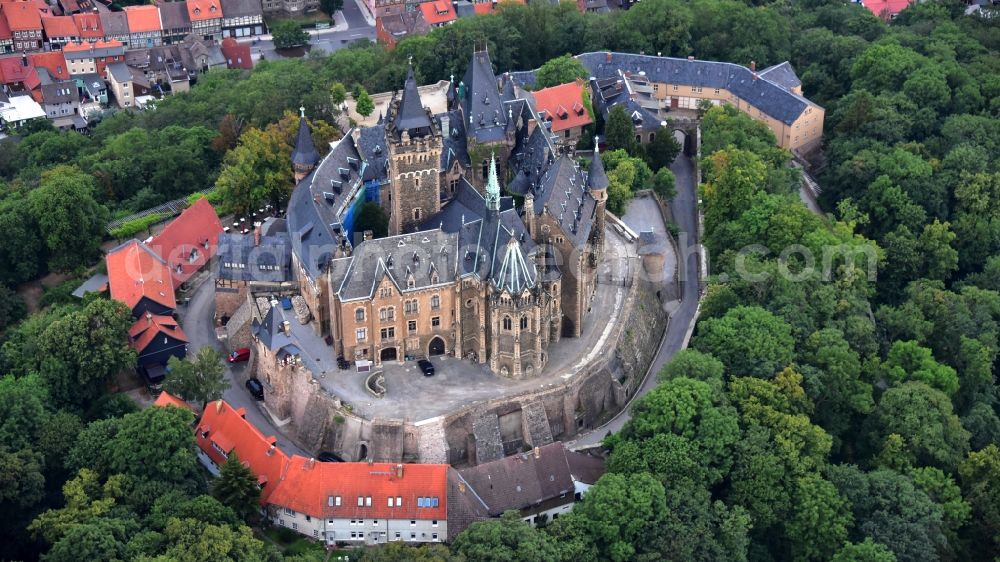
{"x": 89, "y": 25}
{"x": 60, "y": 26}
{"x": 438, "y": 12}
{"x": 230, "y": 431}
{"x": 483, "y": 8}
{"x": 22, "y": 16}
{"x": 87, "y": 47}
{"x": 201, "y": 10}
{"x": 135, "y": 271}
{"x": 237, "y": 54}
{"x": 310, "y": 487}
{"x": 12, "y": 70}
{"x": 885, "y": 9}
{"x": 563, "y": 106}
{"x": 167, "y": 399}
{"x": 144, "y": 330}
{"x": 194, "y": 233}
{"x": 143, "y": 19}
{"x": 5, "y": 32}
{"x": 307, "y": 486}
{"x": 53, "y": 61}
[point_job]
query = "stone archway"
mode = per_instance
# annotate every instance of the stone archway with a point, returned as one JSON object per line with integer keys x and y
{"x": 687, "y": 140}
{"x": 388, "y": 354}
{"x": 436, "y": 346}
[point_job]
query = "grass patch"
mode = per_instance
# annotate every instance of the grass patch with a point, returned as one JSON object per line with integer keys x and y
{"x": 294, "y": 544}
{"x": 131, "y": 228}
{"x": 305, "y": 20}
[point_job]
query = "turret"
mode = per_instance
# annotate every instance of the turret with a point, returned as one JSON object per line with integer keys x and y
{"x": 597, "y": 179}
{"x": 493, "y": 187}
{"x": 304, "y": 157}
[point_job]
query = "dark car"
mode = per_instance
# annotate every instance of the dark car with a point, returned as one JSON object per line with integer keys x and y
{"x": 256, "y": 388}
{"x": 426, "y": 367}
{"x": 343, "y": 364}
{"x": 329, "y": 457}
{"x": 240, "y": 355}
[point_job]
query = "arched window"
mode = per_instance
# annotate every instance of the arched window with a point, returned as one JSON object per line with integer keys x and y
{"x": 524, "y": 322}
{"x": 416, "y": 183}
{"x": 506, "y": 323}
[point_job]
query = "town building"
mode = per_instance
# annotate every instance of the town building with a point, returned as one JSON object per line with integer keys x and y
{"x": 157, "y": 338}
{"x": 176, "y": 21}
{"x": 392, "y": 28}
{"x": 256, "y": 263}
{"x": 6, "y": 36}
{"x": 540, "y": 484}
{"x": 238, "y": 55}
{"x": 144, "y": 26}
{"x": 566, "y": 110}
{"x": 115, "y": 26}
{"x": 60, "y": 30}
{"x": 88, "y": 24}
{"x": 25, "y": 23}
{"x": 140, "y": 279}
{"x": 16, "y": 110}
{"x": 92, "y": 58}
{"x": 120, "y": 78}
{"x": 206, "y": 18}
{"x": 886, "y": 10}
{"x": 189, "y": 241}
{"x": 438, "y": 13}
{"x": 243, "y": 18}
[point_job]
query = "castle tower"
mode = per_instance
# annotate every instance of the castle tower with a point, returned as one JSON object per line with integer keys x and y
{"x": 493, "y": 188}
{"x": 485, "y": 117}
{"x": 415, "y": 146}
{"x": 597, "y": 183}
{"x": 304, "y": 157}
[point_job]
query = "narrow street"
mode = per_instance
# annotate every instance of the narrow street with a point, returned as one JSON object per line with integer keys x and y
{"x": 685, "y": 209}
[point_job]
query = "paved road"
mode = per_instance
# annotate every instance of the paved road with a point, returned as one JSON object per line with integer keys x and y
{"x": 197, "y": 319}
{"x": 685, "y": 209}
{"x": 327, "y": 40}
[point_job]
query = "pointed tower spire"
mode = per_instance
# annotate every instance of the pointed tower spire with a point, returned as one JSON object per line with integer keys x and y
{"x": 411, "y": 115}
{"x": 597, "y": 179}
{"x": 493, "y": 187}
{"x": 305, "y": 156}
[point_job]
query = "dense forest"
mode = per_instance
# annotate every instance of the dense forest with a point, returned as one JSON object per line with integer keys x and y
{"x": 839, "y": 401}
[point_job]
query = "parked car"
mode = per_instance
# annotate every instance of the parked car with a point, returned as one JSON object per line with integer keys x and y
{"x": 329, "y": 457}
{"x": 256, "y": 388}
{"x": 240, "y": 355}
{"x": 426, "y": 367}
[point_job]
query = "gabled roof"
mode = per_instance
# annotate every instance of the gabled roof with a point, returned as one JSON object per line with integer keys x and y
{"x": 166, "y": 399}
{"x": 53, "y": 61}
{"x": 527, "y": 479}
{"x": 438, "y": 12}
{"x": 783, "y": 75}
{"x": 98, "y": 49}
{"x": 174, "y": 15}
{"x": 237, "y": 54}
{"x": 227, "y": 428}
{"x": 189, "y": 241}
{"x": 563, "y": 194}
{"x": 411, "y": 115}
{"x": 135, "y": 271}
{"x": 114, "y": 23}
{"x": 60, "y": 26}
{"x": 22, "y": 16}
{"x": 89, "y": 25}
{"x": 146, "y": 329}
{"x": 202, "y": 10}
{"x": 486, "y": 118}
{"x": 483, "y": 8}
{"x": 563, "y": 106}
{"x": 241, "y": 8}
{"x": 240, "y": 259}
{"x": 143, "y": 19}
{"x": 885, "y": 9}
{"x": 5, "y": 32}
{"x": 13, "y": 70}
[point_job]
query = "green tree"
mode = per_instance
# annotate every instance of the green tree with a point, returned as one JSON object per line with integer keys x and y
{"x": 256, "y": 172}
{"x": 22, "y": 410}
{"x": 694, "y": 364}
{"x": 190, "y": 540}
{"x": 620, "y": 181}
{"x": 819, "y": 521}
{"x": 22, "y": 482}
{"x": 560, "y": 70}
{"x": 732, "y": 177}
{"x": 204, "y": 508}
{"x": 237, "y": 488}
{"x": 402, "y": 552}
{"x": 287, "y": 34}
{"x": 508, "y": 539}
{"x": 102, "y": 539}
{"x": 374, "y": 218}
{"x": 907, "y": 360}
{"x": 619, "y": 132}
{"x": 748, "y": 340}
{"x": 662, "y": 150}
{"x": 833, "y": 381}
{"x": 83, "y": 351}
{"x": 364, "y": 104}
{"x": 866, "y": 551}
{"x": 338, "y": 93}
{"x": 22, "y": 247}
{"x": 980, "y": 477}
{"x": 665, "y": 184}
{"x": 70, "y": 220}
{"x": 923, "y": 417}
{"x": 155, "y": 444}
{"x": 200, "y": 379}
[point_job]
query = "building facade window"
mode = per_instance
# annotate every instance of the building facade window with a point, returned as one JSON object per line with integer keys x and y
{"x": 435, "y": 321}
{"x": 411, "y": 326}
{"x": 524, "y": 322}
{"x": 435, "y": 302}
{"x": 361, "y": 334}
{"x": 388, "y": 333}
{"x": 359, "y": 315}
{"x": 507, "y": 323}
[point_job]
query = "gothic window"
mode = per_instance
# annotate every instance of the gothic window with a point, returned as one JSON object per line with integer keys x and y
{"x": 454, "y": 185}
{"x": 416, "y": 214}
{"x": 524, "y": 322}
{"x": 416, "y": 183}
{"x": 506, "y": 323}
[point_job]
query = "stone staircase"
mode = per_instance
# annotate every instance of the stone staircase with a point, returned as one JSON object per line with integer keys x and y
{"x": 489, "y": 443}
{"x": 535, "y": 422}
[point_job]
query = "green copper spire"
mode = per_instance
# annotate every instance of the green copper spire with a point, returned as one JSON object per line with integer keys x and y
{"x": 493, "y": 187}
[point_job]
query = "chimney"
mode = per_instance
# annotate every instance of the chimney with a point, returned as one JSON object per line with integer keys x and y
{"x": 256, "y": 233}
{"x": 531, "y": 126}
{"x": 445, "y": 126}
{"x": 149, "y": 318}
{"x": 399, "y": 471}
{"x": 461, "y": 486}
{"x": 270, "y": 450}
{"x": 24, "y": 60}
{"x": 309, "y": 463}
{"x": 538, "y": 452}
{"x": 754, "y": 76}
{"x": 753, "y": 66}
{"x": 356, "y": 133}
{"x": 286, "y": 327}
{"x": 608, "y": 57}
{"x": 690, "y": 57}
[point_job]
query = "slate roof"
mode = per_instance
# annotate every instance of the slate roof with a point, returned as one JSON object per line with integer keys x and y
{"x": 174, "y": 16}
{"x": 97, "y": 283}
{"x": 411, "y": 115}
{"x": 239, "y": 259}
{"x": 482, "y": 106}
{"x": 596, "y": 177}
{"x": 563, "y": 194}
{"x": 524, "y": 480}
{"x": 135, "y": 271}
{"x": 454, "y": 146}
{"x": 93, "y": 84}
{"x": 425, "y": 259}
{"x": 464, "y": 8}
{"x": 59, "y": 92}
{"x": 529, "y": 160}
{"x": 305, "y": 151}
{"x": 115, "y": 24}
{"x": 100, "y": 49}
{"x": 241, "y": 8}
{"x": 375, "y": 151}
{"x": 783, "y": 75}
{"x": 318, "y": 203}
{"x": 769, "y": 97}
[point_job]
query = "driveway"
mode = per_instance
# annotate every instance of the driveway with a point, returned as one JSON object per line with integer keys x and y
{"x": 197, "y": 319}
{"x": 685, "y": 209}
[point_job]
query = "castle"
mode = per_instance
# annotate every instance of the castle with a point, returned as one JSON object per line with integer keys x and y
{"x": 466, "y": 271}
